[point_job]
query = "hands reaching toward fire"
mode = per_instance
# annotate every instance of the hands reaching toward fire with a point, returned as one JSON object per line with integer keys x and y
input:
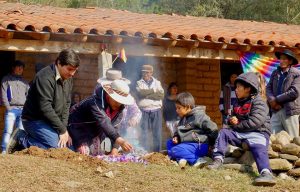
{"x": 124, "y": 144}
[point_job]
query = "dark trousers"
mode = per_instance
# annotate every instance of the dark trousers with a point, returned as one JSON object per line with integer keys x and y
{"x": 151, "y": 125}
{"x": 258, "y": 144}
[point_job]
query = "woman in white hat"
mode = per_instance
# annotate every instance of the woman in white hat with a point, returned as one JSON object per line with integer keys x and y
{"x": 131, "y": 114}
{"x": 99, "y": 116}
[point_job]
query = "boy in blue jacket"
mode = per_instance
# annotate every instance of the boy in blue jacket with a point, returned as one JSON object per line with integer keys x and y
{"x": 194, "y": 131}
{"x": 249, "y": 123}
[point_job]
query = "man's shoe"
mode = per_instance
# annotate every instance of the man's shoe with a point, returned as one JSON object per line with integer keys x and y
{"x": 265, "y": 179}
{"x": 201, "y": 162}
{"x": 14, "y": 144}
{"x": 182, "y": 163}
{"x": 216, "y": 164}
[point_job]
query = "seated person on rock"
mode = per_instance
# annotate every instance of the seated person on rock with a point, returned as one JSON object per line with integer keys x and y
{"x": 195, "y": 130}
{"x": 98, "y": 116}
{"x": 250, "y": 123}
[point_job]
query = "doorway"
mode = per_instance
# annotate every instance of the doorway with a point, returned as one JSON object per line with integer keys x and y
{"x": 228, "y": 68}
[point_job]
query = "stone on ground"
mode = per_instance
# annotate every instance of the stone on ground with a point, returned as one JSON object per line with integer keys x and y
{"x": 280, "y": 165}
{"x": 291, "y": 149}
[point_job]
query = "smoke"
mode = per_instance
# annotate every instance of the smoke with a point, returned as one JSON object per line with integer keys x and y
{"x": 132, "y": 71}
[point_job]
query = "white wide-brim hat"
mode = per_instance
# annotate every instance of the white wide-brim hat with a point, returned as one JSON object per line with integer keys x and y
{"x": 111, "y": 75}
{"x": 119, "y": 91}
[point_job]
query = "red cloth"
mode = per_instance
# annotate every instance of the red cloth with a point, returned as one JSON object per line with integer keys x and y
{"x": 109, "y": 112}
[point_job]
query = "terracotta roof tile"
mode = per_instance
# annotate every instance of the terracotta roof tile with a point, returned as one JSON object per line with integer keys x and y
{"x": 46, "y": 18}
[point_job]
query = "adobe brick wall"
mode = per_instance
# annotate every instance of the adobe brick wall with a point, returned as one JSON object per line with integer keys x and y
{"x": 84, "y": 79}
{"x": 201, "y": 77}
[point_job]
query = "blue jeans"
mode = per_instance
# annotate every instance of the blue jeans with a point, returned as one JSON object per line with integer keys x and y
{"x": 11, "y": 118}
{"x": 188, "y": 151}
{"x": 39, "y": 134}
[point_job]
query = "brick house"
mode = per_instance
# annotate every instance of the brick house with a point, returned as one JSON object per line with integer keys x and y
{"x": 196, "y": 52}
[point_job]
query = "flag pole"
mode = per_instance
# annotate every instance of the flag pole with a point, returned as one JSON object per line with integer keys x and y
{"x": 115, "y": 59}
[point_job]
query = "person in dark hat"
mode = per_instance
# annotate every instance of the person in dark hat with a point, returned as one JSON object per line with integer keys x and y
{"x": 283, "y": 92}
{"x": 14, "y": 88}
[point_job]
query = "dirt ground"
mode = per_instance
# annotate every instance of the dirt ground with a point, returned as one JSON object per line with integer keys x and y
{"x": 63, "y": 170}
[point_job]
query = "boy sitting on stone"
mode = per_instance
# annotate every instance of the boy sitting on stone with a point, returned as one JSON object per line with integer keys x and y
{"x": 190, "y": 141}
{"x": 250, "y": 123}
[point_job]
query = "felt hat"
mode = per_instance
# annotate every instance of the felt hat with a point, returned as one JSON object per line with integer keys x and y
{"x": 147, "y": 68}
{"x": 119, "y": 91}
{"x": 111, "y": 75}
{"x": 288, "y": 53}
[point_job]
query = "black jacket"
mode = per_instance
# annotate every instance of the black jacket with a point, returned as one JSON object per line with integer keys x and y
{"x": 252, "y": 112}
{"x": 197, "y": 127}
{"x": 49, "y": 100}
{"x": 88, "y": 120}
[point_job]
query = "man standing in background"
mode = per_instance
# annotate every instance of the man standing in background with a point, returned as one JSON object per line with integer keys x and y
{"x": 150, "y": 93}
{"x": 283, "y": 96}
{"x": 14, "y": 90}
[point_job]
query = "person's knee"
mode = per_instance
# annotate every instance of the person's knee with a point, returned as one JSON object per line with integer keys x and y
{"x": 224, "y": 132}
{"x": 52, "y": 140}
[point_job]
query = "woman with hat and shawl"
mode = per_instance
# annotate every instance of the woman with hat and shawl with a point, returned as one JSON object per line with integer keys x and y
{"x": 283, "y": 92}
{"x": 98, "y": 116}
{"x": 131, "y": 113}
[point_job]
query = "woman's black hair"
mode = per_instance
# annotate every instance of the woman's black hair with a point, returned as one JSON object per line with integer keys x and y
{"x": 172, "y": 84}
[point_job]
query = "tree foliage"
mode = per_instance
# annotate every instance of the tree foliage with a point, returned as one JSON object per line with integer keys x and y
{"x": 282, "y": 11}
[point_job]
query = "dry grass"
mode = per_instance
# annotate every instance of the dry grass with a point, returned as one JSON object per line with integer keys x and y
{"x": 28, "y": 173}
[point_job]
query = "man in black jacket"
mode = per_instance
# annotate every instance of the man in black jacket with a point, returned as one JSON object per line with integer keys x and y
{"x": 46, "y": 110}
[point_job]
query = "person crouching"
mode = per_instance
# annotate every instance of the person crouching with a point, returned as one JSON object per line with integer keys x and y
{"x": 99, "y": 116}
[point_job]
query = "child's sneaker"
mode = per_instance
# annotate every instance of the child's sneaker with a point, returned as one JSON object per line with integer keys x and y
{"x": 182, "y": 163}
{"x": 216, "y": 164}
{"x": 265, "y": 179}
{"x": 201, "y": 162}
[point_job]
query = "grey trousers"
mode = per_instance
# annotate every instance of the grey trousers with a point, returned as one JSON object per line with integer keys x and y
{"x": 281, "y": 122}
{"x": 151, "y": 125}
